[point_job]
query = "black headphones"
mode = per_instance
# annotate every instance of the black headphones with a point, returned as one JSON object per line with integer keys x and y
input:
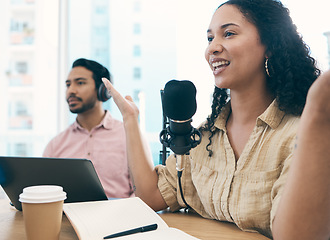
{"x": 102, "y": 93}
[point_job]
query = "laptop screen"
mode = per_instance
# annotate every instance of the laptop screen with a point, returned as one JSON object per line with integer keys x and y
{"x": 77, "y": 177}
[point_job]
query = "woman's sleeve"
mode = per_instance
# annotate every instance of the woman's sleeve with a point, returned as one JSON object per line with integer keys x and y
{"x": 167, "y": 182}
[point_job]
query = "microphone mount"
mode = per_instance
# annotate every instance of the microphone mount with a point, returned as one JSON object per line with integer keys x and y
{"x": 180, "y": 142}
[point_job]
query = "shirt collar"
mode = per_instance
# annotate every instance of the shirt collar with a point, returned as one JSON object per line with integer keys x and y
{"x": 221, "y": 121}
{"x": 272, "y": 116}
{"x": 107, "y": 122}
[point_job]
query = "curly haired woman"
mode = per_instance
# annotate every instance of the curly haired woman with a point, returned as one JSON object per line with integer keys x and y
{"x": 262, "y": 71}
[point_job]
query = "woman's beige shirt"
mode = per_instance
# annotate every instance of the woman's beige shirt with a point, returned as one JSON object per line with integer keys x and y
{"x": 247, "y": 191}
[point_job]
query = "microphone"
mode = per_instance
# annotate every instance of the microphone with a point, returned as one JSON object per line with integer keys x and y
{"x": 179, "y": 100}
{"x": 179, "y": 105}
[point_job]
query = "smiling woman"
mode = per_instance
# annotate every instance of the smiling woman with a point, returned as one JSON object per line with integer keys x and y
{"x": 268, "y": 76}
{"x": 238, "y": 171}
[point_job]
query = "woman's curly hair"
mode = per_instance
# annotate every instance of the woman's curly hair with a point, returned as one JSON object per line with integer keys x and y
{"x": 292, "y": 70}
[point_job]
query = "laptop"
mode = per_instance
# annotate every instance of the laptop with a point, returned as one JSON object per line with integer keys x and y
{"x": 77, "y": 177}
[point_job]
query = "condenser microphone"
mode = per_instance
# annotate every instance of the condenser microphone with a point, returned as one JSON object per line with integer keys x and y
{"x": 179, "y": 106}
{"x": 179, "y": 100}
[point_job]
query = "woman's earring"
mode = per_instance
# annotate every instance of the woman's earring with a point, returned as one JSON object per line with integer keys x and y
{"x": 266, "y": 67}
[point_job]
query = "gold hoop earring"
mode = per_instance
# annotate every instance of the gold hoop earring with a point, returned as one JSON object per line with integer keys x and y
{"x": 266, "y": 67}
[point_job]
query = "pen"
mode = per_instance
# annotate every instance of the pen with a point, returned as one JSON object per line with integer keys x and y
{"x": 132, "y": 231}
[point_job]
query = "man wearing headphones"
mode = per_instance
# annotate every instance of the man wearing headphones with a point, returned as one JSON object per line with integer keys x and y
{"x": 95, "y": 134}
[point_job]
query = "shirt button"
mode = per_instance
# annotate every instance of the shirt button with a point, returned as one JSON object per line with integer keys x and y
{"x": 88, "y": 154}
{"x": 91, "y": 135}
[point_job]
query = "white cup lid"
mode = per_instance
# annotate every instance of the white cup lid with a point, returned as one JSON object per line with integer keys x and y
{"x": 42, "y": 194}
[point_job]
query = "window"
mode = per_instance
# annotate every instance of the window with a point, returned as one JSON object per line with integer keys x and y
{"x": 137, "y": 73}
{"x": 137, "y": 28}
{"x": 136, "y": 93}
{"x": 101, "y": 10}
{"x": 21, "y": 67}
{"x": 136, "y": 51}
{"x": 99, "y": 30}
{"x": 21, "y": 109}
{"x": 21, "y": 28}
{"x": 20, "y": 149}
{"x": 20, "y": 112}
{"x": 137, "y": 6}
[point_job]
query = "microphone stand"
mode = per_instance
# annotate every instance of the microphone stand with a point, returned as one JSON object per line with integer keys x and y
{"x": 163, "y": 153}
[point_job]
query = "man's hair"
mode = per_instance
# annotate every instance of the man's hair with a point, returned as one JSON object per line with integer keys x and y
{"x": 96, "y": 68}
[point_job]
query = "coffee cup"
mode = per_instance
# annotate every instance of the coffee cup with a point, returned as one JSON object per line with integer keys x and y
{"x": 42, "y": 211}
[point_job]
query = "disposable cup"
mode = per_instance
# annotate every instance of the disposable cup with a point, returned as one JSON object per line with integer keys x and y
{"x": 42, "y": 211}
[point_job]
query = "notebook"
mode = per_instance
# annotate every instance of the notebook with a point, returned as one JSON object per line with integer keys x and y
{"x": 77, "y": 177}
{"x": 95, "y": 220}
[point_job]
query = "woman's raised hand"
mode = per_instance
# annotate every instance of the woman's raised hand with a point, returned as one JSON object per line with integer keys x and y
{"x": 126, "y": 105}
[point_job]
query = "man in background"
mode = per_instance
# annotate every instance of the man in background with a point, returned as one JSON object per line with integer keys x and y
{"x": 95, "y": 134}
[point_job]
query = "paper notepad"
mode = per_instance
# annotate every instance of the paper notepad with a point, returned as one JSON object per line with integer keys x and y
{"x": 95, "y": 220}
